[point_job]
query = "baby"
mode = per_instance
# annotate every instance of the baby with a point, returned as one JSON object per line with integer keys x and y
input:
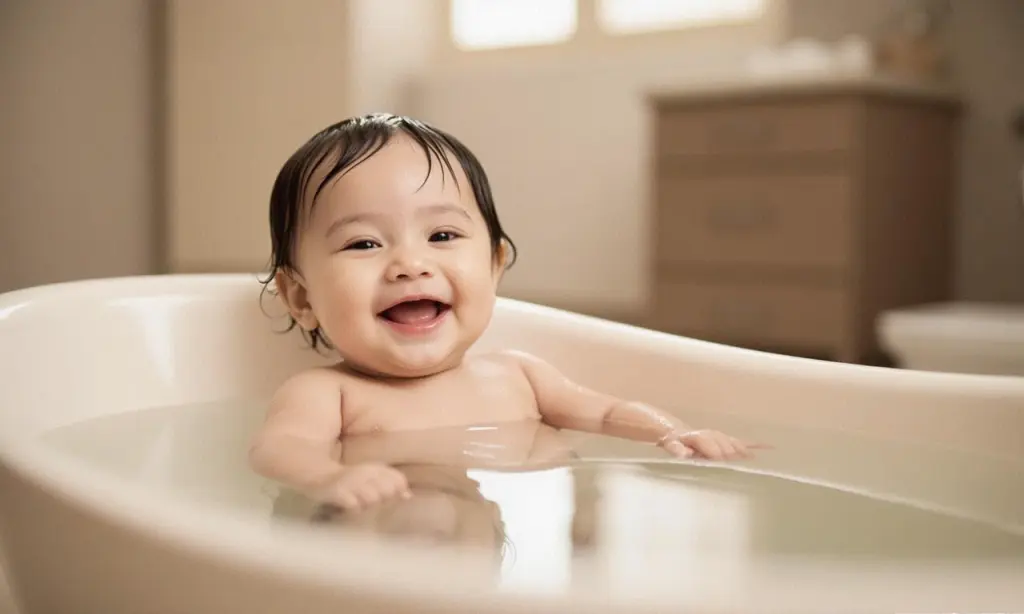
{"x": 387, "y": 248}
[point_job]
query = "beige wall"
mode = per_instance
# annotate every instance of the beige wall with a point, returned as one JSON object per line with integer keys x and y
{"x": 389, "y": 47}
{"x": 564, "y": 133}
{"x": 986, "y": 41}
{"x": 564, "y": 136}
{"x": 76, "y": 158}
{"x": 248, "y": 82}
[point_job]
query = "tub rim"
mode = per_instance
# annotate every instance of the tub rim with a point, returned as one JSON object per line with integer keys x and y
{"x": 293, "y": 553}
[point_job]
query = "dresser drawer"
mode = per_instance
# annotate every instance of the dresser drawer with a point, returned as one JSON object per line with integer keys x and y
{"x": 773, "y": 220}
{"x": 755, "y": 314}
{"x": 757, "y": 128}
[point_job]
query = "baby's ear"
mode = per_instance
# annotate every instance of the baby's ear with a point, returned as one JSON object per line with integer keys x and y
{"x": 501, "y": 259}
{"x": 296, "y": 299}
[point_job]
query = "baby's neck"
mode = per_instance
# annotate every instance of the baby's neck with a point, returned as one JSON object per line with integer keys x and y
{"x": 364, "y": 372}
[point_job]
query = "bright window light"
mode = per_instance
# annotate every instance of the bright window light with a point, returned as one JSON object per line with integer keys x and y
{"x": 623, "y": 16}
{"x": 482, "y": 24}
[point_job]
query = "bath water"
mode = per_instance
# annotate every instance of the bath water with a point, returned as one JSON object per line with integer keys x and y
{"x": 550, "y": 503}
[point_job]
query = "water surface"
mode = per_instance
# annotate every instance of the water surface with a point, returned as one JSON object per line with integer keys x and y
{"x": 549, "y": 504}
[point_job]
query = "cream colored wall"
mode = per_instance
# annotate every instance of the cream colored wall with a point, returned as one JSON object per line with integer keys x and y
{"x": 249, "y": 81}
{"x": 563, "y": 132}
{"x": 76, "y": 157}
{"x": 564, "y": 135}
{"x": 986, "y": 42}
{"x": 389, "y": 48}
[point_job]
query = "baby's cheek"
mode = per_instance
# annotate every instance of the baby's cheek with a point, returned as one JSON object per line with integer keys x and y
{"x": 349, "y": 287}
{"x": 475, "y": 277}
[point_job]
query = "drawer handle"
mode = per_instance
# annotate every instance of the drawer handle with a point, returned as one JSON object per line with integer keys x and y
{"x": 741, "y": 217}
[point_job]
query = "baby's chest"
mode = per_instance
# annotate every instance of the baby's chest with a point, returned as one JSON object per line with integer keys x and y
{"x": 438, "y": 405}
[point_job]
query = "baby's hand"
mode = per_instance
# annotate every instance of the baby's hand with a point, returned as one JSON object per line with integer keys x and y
{"x": 363, "y": 485}
{"x": 712, "y": 445}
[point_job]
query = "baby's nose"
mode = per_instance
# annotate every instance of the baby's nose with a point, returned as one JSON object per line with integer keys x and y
{"x": 407, "y": 267}
{"x": 413, "y": 273}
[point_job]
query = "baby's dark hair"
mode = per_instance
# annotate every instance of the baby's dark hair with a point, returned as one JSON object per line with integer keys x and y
{"x": 343, "y": 146}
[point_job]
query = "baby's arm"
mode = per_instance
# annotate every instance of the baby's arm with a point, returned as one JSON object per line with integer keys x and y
{"x": 298, "y": 445}
{"x": 565, "y": 404}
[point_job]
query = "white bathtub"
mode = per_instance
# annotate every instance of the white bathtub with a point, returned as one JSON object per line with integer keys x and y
{"x": 78, "y": 539}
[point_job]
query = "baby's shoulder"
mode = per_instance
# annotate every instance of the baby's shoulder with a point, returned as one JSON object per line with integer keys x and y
{"x": 310, "y": 384}
{"x": 516, "y": 358}
{"x": 536, "y": 370}
{"x": 512, "y": 360}
{"x": 504, "y": 358}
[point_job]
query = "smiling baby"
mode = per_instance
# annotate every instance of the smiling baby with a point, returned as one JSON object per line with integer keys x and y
{"x": 387, "y": 249}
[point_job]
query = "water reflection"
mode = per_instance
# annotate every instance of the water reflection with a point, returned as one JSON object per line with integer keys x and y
{"x": 555, "y": 509}
{"x": 552, "y": 509}
{"x": 447, "y": 506}
{"x": 521, "y": 493}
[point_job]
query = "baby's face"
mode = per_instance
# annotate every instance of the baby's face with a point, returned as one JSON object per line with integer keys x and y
{"x": 398, "y": 273}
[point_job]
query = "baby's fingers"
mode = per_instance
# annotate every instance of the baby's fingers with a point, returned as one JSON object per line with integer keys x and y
{"x": 714, "y": 445}
{"x": 734, "y": 448}
{"x": 745, "y": 449}
{"x": 393, "y": 485}
{"x": 708, "y": 447}
{"x": 345, "y": 499}
{"x": 678, "y": 449}
{"x": 370, "y": 494}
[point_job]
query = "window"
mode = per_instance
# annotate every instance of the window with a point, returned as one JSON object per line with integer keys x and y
{"x": 482, "y": 24}
{"x": 627, "y": 16}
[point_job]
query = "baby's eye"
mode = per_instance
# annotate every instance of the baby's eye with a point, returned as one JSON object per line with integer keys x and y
{"x": 361, "y": 245}
{"x": 443, "y": 235}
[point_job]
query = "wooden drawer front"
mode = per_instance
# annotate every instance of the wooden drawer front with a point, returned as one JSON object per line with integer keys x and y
{"x": 791, "y": 127}
{"x": 783, "y": 221}
{"x": 757, "y": 314}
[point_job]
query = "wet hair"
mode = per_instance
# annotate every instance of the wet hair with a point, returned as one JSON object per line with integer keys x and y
{"x": 339, "y": 148}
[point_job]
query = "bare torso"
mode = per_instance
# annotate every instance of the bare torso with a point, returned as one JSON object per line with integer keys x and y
{"x": 483, "y": 389}
{"x": 338, "y": 435}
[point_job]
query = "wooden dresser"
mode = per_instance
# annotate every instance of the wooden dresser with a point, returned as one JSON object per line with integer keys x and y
{"x": 787, "y": 217}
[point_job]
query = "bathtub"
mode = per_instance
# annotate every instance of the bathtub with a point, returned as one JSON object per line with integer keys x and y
{"x": 76, "y": 538}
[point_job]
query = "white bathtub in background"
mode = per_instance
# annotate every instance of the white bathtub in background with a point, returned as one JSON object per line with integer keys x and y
{"x": 981, "y": 338}
{"x": 78, "y": 539}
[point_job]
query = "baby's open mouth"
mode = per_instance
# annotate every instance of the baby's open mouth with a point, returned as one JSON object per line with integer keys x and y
{"x": 415, "y": 313}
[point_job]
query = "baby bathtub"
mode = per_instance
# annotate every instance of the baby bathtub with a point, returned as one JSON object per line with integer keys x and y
{"x": 75, "y": 539}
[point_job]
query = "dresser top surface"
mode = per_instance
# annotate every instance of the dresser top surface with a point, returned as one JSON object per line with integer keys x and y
{"x": 750, "y": 87}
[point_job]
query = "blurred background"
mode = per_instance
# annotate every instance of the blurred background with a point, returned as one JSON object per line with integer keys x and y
{"x": 771, "y": 173}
